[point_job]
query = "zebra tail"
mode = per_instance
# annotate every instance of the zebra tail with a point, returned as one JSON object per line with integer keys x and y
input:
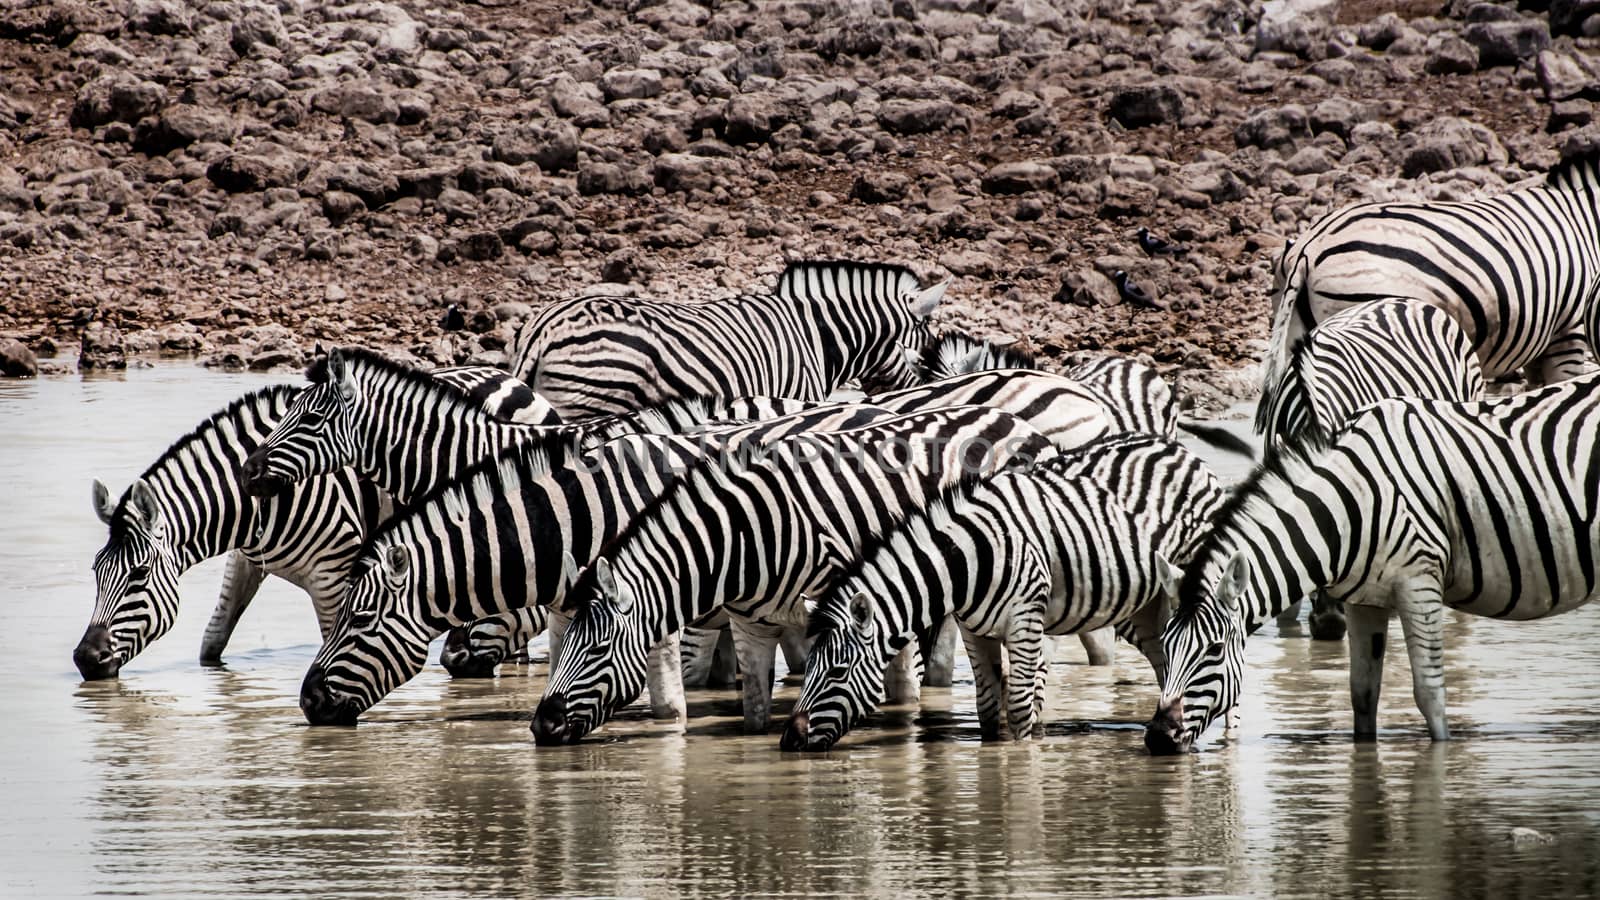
{"x": 1219, "y": 437}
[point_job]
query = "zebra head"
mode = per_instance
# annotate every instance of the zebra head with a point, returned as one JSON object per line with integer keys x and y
{"x": 844, "y": 671}
{"x": 895, "y": 361}
{"x": 136, "y": 583}
{"x": 377, "y": 644}
{"x": 602, "y": 664}
{"x": 316, "y": 435}
{"x": 1204, "y": 646}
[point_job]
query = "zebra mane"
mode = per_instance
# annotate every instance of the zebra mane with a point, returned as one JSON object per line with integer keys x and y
{"x": 317, "y": 372}
{"x": 950, "y": 353}
{"x": 1577, "y": 170}
{"x": 1283, "y": 463}
{"x": 279, "y": 394}
{"x": 792, "y": 280}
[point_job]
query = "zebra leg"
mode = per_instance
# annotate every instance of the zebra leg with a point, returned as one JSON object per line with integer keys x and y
{"x": 988, "y": 677}
{"x": 795, "y": 646}
{"x": 240, "y": 580}
{"x": 1143, "y": 630}
{"x": 1367, "y": 635}
{"x": 1327, "y": 617}
{"x": 724, "y": 661}
{"x": 757, "y": 646}
{"x": 1290, "y": 617}
{"x": 1422, "y": 620}
{"x": 699, "y": 652}
{"x": 664, "y": 675}
{"x": 939, "y": 663}
{"x": 901, "y": 682}
{"x": 559, "y": 623}
{"x": 1100, "y": 644}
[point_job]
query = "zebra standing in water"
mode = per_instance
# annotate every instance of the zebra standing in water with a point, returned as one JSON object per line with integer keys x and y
{"x": 1489, "y": 508}
{"x": 1369, "y": 352}
{"x": 826, "y": 323}
{"x": 1517, "y": 271}
{"x": 1088, "y": 539}
{"x": 754, "y": 537}
{"x": 191, "y": 505}
{"x": 493, "y": 542}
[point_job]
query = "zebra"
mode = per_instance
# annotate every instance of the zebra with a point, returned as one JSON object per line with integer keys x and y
{"x": 753, "y": 537}
{"x": 189, "y": 505}
{"x": 501, "y": 394}
{"x": 492, "y": 542}
{"x": 1488, "y": 508}
{"x": 1092, "y": 538}
{"x": 1360, "y": 355}
{"x": 1517, "y": 271}
{"x": 826, "y": 323}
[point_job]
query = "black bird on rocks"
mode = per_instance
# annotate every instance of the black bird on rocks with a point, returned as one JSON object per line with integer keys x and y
{"x": 1156, "y": 246}
{"x": 453, "y": 319}
{"x": 1134, "y": 296}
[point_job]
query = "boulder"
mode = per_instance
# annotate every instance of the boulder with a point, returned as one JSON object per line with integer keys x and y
{"x": 609, "y": 178}
{"x": 631, "y": 84}
{"x": 875, "y": 185}
{"x": 1568, "y": 16}
{"x": 159, "y": 17}
{"x": 1300, "y": 27}
{"x": 920, "y": 116}
{"x": 1564, "y": 77}
{"x": 117, "y": 97}
{"x": 1449, "y": 143}
{"x": 549, "y": 143}
{"x": 1087, "y": 287}
{"x": 260, "y": 24}
{"x": 1019, "y": 178}
{"x": 101, "y": 348}
{"x": 271, "y": 167}
{"x": 1339, "y": 115}
{"x": 1139, "y": 105}
{"x": 1449, "y": 54}
{"x": 1508, "y": 43}
{"x": 1273, "y": 127}
{"x": 181, "y": 125}
{"x": 16, "y": 360}
{"x": 364, "y": 99}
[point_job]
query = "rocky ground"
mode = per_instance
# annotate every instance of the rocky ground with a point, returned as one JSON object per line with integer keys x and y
{"x": 239, "y": 179}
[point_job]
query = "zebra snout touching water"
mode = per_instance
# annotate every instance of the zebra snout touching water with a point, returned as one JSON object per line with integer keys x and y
{"x": 1084, "y": 541}
{"x": 1369, "y": 352}
{"x": 1487, "y": 508}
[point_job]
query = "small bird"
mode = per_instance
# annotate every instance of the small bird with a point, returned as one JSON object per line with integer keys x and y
{"x": 1156, "y": 246}
{"x": 453, "y": 319}
{"x": 1133, "y": 295}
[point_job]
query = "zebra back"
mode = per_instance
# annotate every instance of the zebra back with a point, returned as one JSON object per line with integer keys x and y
{"x": 500, "y": 394}
{"x": 1135, "y": 396}
{"x": 1068, "y": 413}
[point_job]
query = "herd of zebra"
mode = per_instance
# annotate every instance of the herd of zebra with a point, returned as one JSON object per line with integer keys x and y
{"x": 677, "y": 492}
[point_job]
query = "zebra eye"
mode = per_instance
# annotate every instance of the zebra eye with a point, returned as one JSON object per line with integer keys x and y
{"x": 312, "y": 419}
{"x": 839, "y": 670}
{"x": 138, "y": 573}
{"x": 1215, "y": 649}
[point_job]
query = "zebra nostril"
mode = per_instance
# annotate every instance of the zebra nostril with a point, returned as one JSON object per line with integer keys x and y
{"x": 550, "y": 721}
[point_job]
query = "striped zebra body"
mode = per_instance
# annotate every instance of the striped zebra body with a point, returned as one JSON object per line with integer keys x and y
{"x": 826, "y": 323}
{"x": 189, "y": 506}
{"x": 1517, "y": 271}
{"x": 1369, "y": 352}
{"x": 1488, "y": 508}
{"x": 959, "y": 353}
{"x": 492, "y": 543}
{"x": 501, "y": 394}
{"x": 753, "y": 537}
{"x": 1083, "y": 541}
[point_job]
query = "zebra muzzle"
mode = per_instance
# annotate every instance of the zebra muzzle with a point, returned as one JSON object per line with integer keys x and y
{"x": 322, "y": 705}
{"x": 1163, "y": 736}
{"x": 258, "y": 481}
{"x": 95, "y": 656}
{"x": 462, "y": 660}
{"x": 797, "y": 733}
{"x": 550, "y": 721}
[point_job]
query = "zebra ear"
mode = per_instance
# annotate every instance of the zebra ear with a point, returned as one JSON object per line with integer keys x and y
{"x": 1169, "y": 576}
{"x": 569, "y": 570}
{"x": 861, "y": 613}
{"x": 397, "y": 562}
{"x": 142, "y": 504}
{"x": 926, "y": 300}
{"x": 340, "y": 377}
{"x": 104, "y": 506}
{"x": 606, "y": 581}
{"x": 1233, "y": 582}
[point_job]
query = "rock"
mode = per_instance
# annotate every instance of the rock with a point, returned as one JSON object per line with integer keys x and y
{"x": 1566, "y": 114}
{"x": 284, "y": 357}
{"x": 550, "y": 143}
{"x": 341, "y": 206}
{"x": 1564, "y": 77}
{"x": 1273, "y": 128}
{"x": 608, "y": 178}
{"x": 117, "y": 97}
{"x": 482, "y": 245}
{"x": 1311, "y": 161}
{"x": 101, "y": 348}
{"x": 752, "y": 118}
{"x": 1087, "y": 287}
{"x": 373, "y": 185}
{"x": 1016, "y": 105}
{"x": 631, "y": 84}
{"x": 1121, "y": 197}
{"x": 364, "y": 99}
{"x": 1568, "y": 16}
{"x": 1294, "y": 26}
{"x": 880, "y": 186}
{"x": 1450, "y": 54}
{"x": 972, "y": 263}
{"x": 1139, "y": 105}
{"x": 1338, "y": 115}
{"x": 422, "y": 248}
{"x": 250, "y": 172}
{"x": 457, "y": 205}
{"x": 685, "y": 172}
{"x": 16, "y": 360}
{"x": 1449, "y": 143}
{"x": 260, "y": 25}
{"x": 181, "y": 125}
{"x": 919, "y": 116}
{"x": 159, "y": 17}
{"x": 1508, "y": 43}
{"x": 579, "y": 102}
{"x": 1019, "y": 177}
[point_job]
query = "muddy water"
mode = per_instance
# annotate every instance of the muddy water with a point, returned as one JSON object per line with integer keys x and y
{"x": 205, "y": 782}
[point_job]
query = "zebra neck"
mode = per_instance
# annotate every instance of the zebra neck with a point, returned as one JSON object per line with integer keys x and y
{"x": 415, "y": 438}
{"x": 203, "y": 505}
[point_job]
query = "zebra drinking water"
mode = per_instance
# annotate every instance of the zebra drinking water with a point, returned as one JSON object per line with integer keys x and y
{"x": 1358, "y": 356}
{"x": 1088, "y": 539}
{"x": 753, "y": 537}
{"x": 1489, "y": 508}
{"x": 1517, "y": 271}
{"x": 825, "y": 324}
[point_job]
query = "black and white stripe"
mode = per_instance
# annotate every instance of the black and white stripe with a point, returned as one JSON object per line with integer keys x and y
{"x": 1087, "y": 540}
{"x": 754, "y": 536}
{"x": 1489, "y": 508}
{"x": 1517, "y": 271}
{"x": 825, "y": 324}
{"x": 492, "y": 543}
